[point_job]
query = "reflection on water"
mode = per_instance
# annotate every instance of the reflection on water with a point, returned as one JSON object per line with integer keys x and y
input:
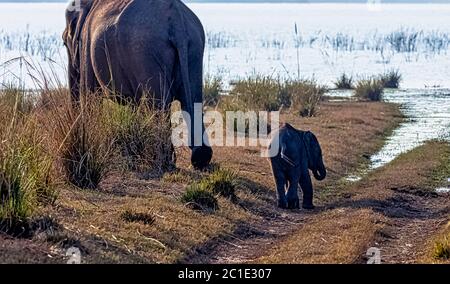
{"x": 427, "y": 117}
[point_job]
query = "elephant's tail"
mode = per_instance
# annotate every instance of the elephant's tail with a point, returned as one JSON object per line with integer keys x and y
{"x": 177, "y": 36}
{"x": 185, "y": 77}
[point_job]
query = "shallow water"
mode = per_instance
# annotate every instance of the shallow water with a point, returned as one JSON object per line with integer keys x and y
{"x": 443, "y": 190}
{"x": 427, "y": 113}
{"x": 245, "y": 39}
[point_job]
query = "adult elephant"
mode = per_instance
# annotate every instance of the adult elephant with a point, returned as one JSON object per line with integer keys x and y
{"x": 298, "y": 152}
{"x": 132, "y": 47}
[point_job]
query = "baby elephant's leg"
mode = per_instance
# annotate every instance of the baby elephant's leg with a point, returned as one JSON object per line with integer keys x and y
{"x": 280, "y": 180}
{"x": 292, "y": 194}
{"x": 307, "y": 189}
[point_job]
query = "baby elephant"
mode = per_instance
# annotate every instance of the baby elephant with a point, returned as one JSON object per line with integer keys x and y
{"x": 298, "y": 151}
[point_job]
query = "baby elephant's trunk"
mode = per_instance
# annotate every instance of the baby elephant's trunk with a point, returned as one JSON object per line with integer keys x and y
{"x": 320, "y": 173}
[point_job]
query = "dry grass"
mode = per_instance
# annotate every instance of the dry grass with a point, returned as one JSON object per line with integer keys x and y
{"x": 254, "y": 93}
{"x": 212, "y": 88}
{"x": 269, "y": 94}
{"x": 344, "y": 82}
{"x": 142, "y": 136}
{"x": 337, "y": 236}
{"x": 131, "y": 215}
{"x": 369, "y": 89}
{"x": 304, "y": 96}
{"x": 83, "y": 142}
{"x": 442, "y": 248}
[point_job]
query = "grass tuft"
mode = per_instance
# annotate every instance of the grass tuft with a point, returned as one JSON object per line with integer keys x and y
{"x": 369, "y": 89}
{"x": 200, "y": 198}
{"x": 269, "y": 94}
{"x": 344, "y": 82}
{"x": 221, "y": 181}
{"x": 82, "y": 142}
{"x": 132, "y": 216}
{"x": 304, "y": 96}
{"x": 256, "y": 93}
{"x": 442, "y": 249}
{"x": 391, "y": 79}
{"x": 143, "y": 137}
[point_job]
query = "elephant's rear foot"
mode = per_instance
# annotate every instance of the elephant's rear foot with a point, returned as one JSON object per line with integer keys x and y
{"x": 282, "y": 203}
{"x": 293, "y": 203}
{"x": 201, "y": 157}
{"x": 308, "y": 206}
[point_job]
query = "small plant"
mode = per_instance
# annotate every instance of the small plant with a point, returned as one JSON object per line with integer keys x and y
{"x": 305, "y": 96}
{"x": 212, "y": 86}
{"x": 344, "y": 82}
{"x": 221, "y": 181}
{"x": 199, "y": 198}
{"x": 137, "y": 217}
{"x": 369, "y": 89}
{"x": 442, "y": 249}
{"x": 391, "y": 79}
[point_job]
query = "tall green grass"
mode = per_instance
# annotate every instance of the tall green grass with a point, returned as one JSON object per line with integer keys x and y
{"x": 25, "y": 166}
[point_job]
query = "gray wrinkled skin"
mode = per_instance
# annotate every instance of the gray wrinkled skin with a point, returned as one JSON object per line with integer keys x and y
{"x": 133, "y": 47}
{"x": 299, "y": 152}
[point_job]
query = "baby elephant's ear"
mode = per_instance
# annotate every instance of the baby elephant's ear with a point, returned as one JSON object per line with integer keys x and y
{"x": 310, "y": 137}
{"x": 307, "y": 137}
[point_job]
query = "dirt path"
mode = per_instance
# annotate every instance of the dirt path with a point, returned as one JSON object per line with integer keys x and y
{"x": 340, "y": 136}
{"x": 271, "y": 230}
{"x": 405, "y": 239}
